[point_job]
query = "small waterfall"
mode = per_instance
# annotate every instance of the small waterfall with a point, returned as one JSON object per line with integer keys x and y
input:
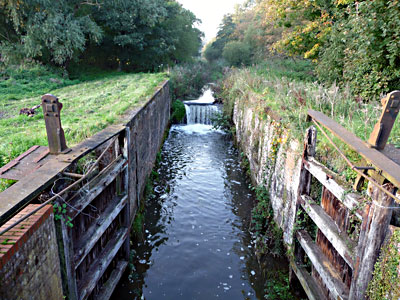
{"x": 200, "y": 113}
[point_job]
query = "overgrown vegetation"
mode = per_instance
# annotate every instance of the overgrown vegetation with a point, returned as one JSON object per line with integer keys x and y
{"x": 353, "y": 43}
{"x": 187, "y": 80}
{"x": 221, "y": 121}
{"x": 385, "y": 283}
{"x": 268, "y": 234}
{"x": 30, "y": 80}
{"x": 286, "y": 86}
{"x": 178, "y": 112}
{"x": 278, "y": 287}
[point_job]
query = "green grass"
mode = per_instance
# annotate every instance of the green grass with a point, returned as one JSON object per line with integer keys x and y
{"x": 288, "y": 88}
{"x": 90, "y": 103}
{"x": 30, "y": 80}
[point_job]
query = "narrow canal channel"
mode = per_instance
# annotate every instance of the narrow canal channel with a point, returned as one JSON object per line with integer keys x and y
{"x": 197, "y": 243}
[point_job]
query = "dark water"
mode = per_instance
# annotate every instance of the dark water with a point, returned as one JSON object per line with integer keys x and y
{"x": 197, "y": 243}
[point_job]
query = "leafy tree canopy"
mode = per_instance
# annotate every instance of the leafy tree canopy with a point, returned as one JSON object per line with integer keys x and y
{"x": 132, "y": 34}
{"x": 355, "y": 43}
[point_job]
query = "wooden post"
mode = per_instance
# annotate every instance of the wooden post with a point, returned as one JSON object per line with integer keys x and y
{"x": 126, "y": 215}
{"x": 380, "y": 134}
{"x": 374, "y": 228}
{"x": 69, "y": 262}
{"x": 310, "y": 141}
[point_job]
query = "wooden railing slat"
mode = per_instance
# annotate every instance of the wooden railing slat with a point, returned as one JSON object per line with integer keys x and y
{"x": 351, "y": 200}
{"x": 339, "y": 240}
{"x": 323, "y": 266}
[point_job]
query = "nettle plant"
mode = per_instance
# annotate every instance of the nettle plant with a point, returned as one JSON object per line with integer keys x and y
{"x": 60, "y": 211}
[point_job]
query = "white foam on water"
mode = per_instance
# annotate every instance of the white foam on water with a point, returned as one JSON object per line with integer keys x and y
{"x": 196, "y": 129}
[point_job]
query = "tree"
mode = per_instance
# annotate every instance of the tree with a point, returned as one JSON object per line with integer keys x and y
{"x": 364, "y": 48}
{"x": 46, "y": 30}
{"x": 306, "y": 24}
{"x": 237, "y": 53}
{"x": 225, "y": 33}
{"x": 129, "y": 34}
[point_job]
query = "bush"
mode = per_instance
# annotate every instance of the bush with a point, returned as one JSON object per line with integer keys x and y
{"x": 211, "y": 53}
{"x": 187, "y": 80}
{"x": 178, "y": 112}
{"x": 237, "y": 53}
{"x": 363, "y": 50}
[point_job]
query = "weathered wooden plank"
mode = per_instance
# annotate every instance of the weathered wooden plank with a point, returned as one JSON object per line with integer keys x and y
{"x": 323, "y": 266}
{"x": 389, "y": 168}
{"x": 345, "y": 222}
{"x": 310, "y": 141}
{"x": 68, "y": 256}
{"x": 99, "y": 183}
{"x": 21, "y": 193}
{"x": 16, "y": 161}
{"x": 324, "y": 175}
{"x": 126, "y": 219}
{"x": 310, "y": 286}
{"x": 101, "y": 263}
{"x": 340, "y": 241}
{"x": 93, "y": 234}
{"x": 28, "y": 162}
{"x": 91, "y": 143}
{"x": 108, "y": 288}
{"x": 374, "y": 229}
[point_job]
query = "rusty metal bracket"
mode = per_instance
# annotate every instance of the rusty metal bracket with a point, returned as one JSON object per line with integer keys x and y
{"x": 382, "y": 129}
{"x": 55, "y": 134}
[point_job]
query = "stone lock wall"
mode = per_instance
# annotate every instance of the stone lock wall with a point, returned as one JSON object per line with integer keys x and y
{"x": 146, "y": 131}
{"x": 274, "y": 162}
{"x": 29, "y": 261}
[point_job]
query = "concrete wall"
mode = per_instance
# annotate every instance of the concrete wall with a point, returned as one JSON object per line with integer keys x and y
{"x": 29, "y": 261}
{"x": 274, "y": 161}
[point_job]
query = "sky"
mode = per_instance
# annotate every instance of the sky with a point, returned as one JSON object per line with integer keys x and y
{"x": 210, "y": 12}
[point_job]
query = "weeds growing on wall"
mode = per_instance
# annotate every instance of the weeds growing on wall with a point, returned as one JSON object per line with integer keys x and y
{"x": 278, "y": 287}
{"x": 268, "y": 234}
{"x": 287, "y": 88}
{"x": 221, "y": 122}
{"x": 385, "y": 283}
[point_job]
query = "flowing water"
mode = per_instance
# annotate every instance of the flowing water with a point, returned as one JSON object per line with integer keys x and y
{"x": 196, "y": 243}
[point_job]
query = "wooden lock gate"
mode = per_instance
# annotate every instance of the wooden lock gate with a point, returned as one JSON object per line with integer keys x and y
{"x": 89, "y": 186}
{"x": 337, "y": 260}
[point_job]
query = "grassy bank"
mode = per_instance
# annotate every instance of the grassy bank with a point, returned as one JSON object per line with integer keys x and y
{"x": 90, "y": 103}
{"x": 289, "y": 88}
